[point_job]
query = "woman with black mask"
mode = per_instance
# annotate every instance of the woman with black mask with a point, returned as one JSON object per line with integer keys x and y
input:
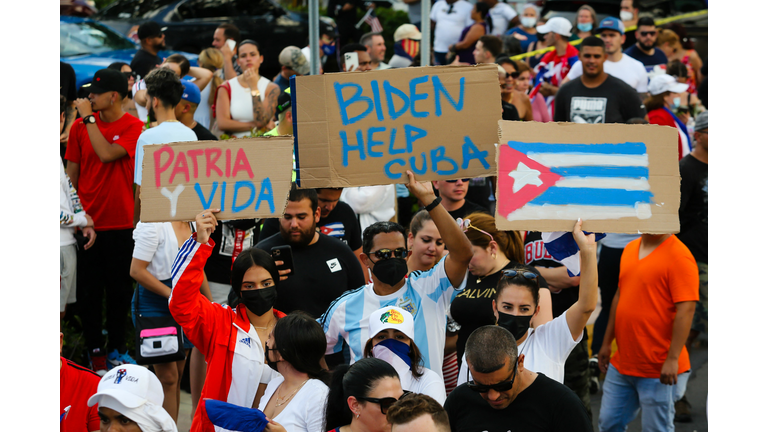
{"x": 232, "y": 341}
{"x": 292, "y": 400}
{"x": 516, "y": 304}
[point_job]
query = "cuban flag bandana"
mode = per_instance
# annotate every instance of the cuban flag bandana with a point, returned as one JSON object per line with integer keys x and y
{"x": 395, "y": 353}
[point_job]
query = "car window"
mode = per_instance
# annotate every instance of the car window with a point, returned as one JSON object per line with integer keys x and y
{"x": 89, "y": 38}
{"x": 253, "y": 7}
{"x": 126, "y": 9}
{"x": 206, "y": 9}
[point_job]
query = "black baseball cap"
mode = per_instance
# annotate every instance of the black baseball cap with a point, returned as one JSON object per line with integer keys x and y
{"x": 283, "y": 102}
{"x": 327, "y": 29}
{"x": 149, "y": 29}
{"x": 107, "y": 80}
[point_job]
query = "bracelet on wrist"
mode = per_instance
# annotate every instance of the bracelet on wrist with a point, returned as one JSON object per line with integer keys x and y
{"x": 433, "y": 204}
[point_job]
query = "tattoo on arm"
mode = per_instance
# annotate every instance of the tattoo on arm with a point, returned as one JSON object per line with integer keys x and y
{"x": 263, "y": 114}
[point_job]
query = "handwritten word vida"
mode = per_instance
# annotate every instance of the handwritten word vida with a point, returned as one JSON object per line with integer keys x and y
{"x": 206, "y": 164}
{"x": 387, "y": 142}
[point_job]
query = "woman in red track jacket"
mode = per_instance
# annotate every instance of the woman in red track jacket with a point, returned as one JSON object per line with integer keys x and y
{"x": 232, "y": 341}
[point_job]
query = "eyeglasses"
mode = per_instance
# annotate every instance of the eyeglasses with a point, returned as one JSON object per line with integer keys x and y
{"x": 465, "y": 224}
{"x": 513, "y": 75}
{"x": 499, "y": 387}
{"x": 515, "y": 273}
{"x": 466, "y": 180}
{"x": 384, "y": 403}
{"x": 648, "y": 33}
{"x": 384, "y": 254}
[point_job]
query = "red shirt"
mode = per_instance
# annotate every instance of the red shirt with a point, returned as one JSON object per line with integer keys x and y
{"x": 77, "y": 385}
{"x": 106, "y": 189}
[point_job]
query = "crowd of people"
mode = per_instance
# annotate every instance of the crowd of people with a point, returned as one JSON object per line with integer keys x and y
{"x": 405, "y": 309}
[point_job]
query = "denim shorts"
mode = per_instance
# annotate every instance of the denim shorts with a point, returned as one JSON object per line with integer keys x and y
{"x": 153, "y": 305}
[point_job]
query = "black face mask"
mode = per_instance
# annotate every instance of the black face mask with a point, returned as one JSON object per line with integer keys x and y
{"x": 518, "y": 325}
{"x": 259, "y": 301}
{"x": 390, "y": 271}
{"x": 270, "y": 363}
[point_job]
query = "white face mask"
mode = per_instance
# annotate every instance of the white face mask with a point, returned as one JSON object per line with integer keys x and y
{"x": 626, "y": 15}
{"x": 528, "y": 22}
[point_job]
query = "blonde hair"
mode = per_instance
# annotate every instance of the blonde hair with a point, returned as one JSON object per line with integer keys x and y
{"x": 668, "y": 36}
{"x": 211, "y": 59}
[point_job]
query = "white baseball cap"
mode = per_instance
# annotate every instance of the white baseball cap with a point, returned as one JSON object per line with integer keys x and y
{"x": 131, "y": 385}
{"x": 391, "y": 317}
{"x": 665, "y": 83}
{"x": 407, "y": 31}
{"x": 558, "y": 25}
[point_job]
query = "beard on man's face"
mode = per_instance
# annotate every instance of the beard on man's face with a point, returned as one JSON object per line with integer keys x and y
{"x": 297, "y": 237}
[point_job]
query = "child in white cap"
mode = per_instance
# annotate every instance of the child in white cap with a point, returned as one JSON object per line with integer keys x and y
{"x": 392, "y": 341}
{"x": 131, "y": 396}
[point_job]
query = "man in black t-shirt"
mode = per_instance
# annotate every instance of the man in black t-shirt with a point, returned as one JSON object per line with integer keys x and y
{"x": 565, "y": 292}
{"x": 503, "y": 395}
{"x": 185, "y": 111}
{"x": 323, "y": 267}
{"x": 453, "y": 193}
{"x": 596, "y": 97}
{"x": 152, "y": 41}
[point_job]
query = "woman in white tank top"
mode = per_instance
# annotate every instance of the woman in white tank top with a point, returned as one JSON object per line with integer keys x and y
{"x": 236, "y": 113}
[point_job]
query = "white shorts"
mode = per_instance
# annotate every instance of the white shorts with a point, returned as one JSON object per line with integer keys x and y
{"x": 220, "y": 292}
{"x": 67, "y": 275}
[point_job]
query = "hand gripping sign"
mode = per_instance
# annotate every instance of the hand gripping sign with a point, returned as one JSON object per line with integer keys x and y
{"x": 368, "y": 128}
{"x": 617, "y": 178}
{"x": 245, "y": 178}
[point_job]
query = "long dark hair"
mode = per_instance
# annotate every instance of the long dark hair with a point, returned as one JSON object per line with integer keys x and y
{"x": 417, "y": 366}
{"x": 357, "y": 380}
{"x": 249, "y": 258}
{"x": 483, "y": 9}
{"x": 301, "y": 342}
{"x": 529, "y": 284}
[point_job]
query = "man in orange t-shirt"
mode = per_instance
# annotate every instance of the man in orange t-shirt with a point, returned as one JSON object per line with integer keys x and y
{"x": 650, "y": 318}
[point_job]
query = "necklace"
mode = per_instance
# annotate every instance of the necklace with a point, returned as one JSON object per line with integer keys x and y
{"x": 287, "y": 398}
{"x": 265, "y": 328}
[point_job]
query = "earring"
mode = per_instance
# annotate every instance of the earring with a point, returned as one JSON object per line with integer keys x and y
{"x": 357, "y": 416}
{"x": 494, "y": 256}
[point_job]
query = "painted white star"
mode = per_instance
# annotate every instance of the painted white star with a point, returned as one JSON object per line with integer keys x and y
{"x": 524, "y": 175}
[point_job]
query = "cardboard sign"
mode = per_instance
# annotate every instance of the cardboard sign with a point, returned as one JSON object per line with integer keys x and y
{"x": 615, "y": 177}
{"x": 245, "y": 178}
{"x": 368, "y": 128}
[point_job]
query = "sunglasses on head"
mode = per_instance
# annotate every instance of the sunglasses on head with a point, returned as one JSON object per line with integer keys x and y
{"x": 383, "y": 254}
{"x": 498, "y": 387}
{"x": 515, "y": 273}
{"x": 384, "y": 403}
{"x": 466, "y": 180}
{"x": 466, "y": 224}
{"x": 648, "y": 33}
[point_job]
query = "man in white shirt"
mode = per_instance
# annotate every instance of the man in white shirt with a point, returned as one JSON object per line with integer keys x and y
{"x": 426, "y": 295}
{"x": 449, "y": 17}
{"x": 501, "y": 16}
{"x": 623, "y": 67}
{"x": 164, "y": 90}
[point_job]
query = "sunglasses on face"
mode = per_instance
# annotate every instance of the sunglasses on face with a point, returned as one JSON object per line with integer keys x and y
{"x": 515, "y": 273}
{"x": 384, "y": 403}
{"x": 498, "y": 387}
{"x": 466, "y": 180}
{"x": 128, "y": 75}
{"x": 513, "y": 75}
{"x": 383, "y": 254}
{"x": 648, "y": 33}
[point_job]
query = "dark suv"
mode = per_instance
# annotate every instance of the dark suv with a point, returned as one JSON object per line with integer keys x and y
{"x": 189, "y": 24}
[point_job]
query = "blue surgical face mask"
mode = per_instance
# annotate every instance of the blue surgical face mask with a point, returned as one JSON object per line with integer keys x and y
{"x": 528, "y": 22}
{"x": 584, "y": 27}
{"x": 329, "y": 49}
{"x": 676, "y": 102}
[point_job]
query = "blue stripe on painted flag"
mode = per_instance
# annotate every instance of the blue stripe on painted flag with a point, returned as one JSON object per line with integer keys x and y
{"x": 233, "y": 417}
{"x": 602, "y": 171}
{"x": 628, "y": 148}
{"x": 592, "y": 196}
{"x": 565, "y": 245}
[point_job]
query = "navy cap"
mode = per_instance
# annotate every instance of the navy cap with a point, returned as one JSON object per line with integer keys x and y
{"x": 611, "y": 23}
{"x": 191, "y": 92}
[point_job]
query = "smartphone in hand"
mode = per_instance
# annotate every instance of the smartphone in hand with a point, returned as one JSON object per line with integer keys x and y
{"x": 284, "y": 254}
{"x": 351, "y": 61}
{"x": 231, "y": 44}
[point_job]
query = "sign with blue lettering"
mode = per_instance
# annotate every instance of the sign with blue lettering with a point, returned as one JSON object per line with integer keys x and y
{"x": 246, "y": 178}
{"x": 368, "y": 128}
{"x": 617, "y": 178}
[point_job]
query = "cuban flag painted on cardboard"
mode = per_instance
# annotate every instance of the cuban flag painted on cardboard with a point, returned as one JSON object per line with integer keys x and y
{"x": 617, "y": 178}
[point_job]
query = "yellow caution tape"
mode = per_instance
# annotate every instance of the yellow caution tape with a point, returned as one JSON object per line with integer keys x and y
{"x": 628, "y": 29}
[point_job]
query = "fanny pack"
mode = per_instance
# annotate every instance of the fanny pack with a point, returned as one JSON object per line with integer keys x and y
{"x": 158, "y": 339}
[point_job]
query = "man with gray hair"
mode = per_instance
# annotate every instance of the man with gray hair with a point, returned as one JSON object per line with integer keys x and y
{"x": 377, "y": 49}
{"x": 502, "y": 391}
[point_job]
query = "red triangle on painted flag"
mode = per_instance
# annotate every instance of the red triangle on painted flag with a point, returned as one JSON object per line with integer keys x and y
{"x": 521, "y": 179}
